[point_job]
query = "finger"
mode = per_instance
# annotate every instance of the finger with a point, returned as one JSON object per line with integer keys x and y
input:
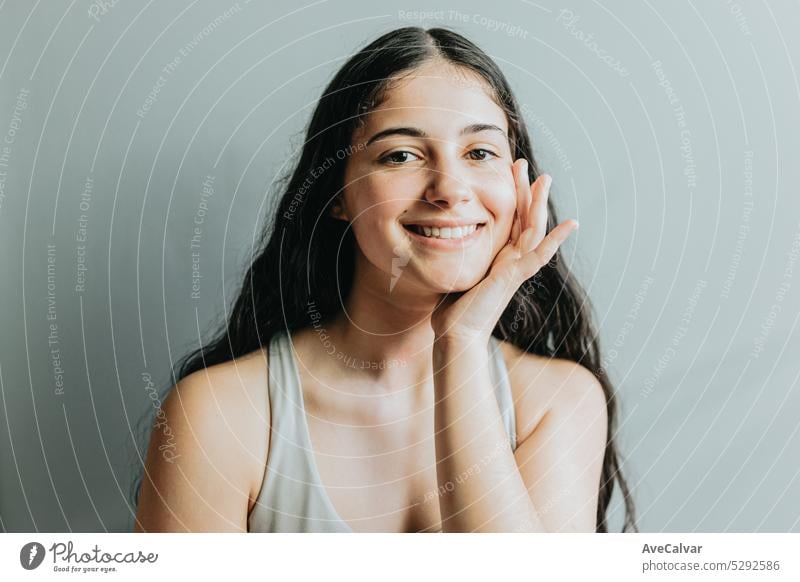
{"x": 523, "y": 187}
{"x": 537, "y": 218}
{"x": 515, "y": 227}
{"x": 528, "y": 241}
{"x": 545, "y": 251}
{"x": 519, "y": 205}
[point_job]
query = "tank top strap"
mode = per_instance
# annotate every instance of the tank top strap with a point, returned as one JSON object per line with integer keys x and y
{"x": 291, "y": 498}
{"x": 502, "y": 390}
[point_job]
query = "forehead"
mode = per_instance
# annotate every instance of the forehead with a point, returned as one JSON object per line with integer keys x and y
{"x": 442, "y": 97}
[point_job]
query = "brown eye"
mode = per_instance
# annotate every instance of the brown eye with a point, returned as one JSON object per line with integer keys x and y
{"x": 398, "y": 158}
{"x": 480, "y": 154}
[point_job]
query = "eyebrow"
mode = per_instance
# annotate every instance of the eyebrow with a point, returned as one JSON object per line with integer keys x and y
{"x": 416, "y": 132}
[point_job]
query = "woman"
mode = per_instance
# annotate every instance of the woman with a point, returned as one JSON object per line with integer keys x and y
{"x": 352, "y": 388}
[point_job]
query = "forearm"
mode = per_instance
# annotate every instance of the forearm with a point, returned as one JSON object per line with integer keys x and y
{"x": 479, "y": 482}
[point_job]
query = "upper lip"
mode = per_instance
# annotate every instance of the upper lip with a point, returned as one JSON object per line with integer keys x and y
{"x": 443, "y": 223}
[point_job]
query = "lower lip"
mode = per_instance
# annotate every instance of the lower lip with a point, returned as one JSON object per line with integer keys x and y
{"x": 446, "y": 244}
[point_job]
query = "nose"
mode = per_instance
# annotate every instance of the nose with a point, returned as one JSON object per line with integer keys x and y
{"x": 446, "y": 188}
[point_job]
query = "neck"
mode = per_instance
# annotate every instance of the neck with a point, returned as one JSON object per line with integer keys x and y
{"x": 385, "y": 333}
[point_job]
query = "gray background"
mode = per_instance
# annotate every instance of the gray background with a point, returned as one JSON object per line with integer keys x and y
{"x": 693, "y": 271}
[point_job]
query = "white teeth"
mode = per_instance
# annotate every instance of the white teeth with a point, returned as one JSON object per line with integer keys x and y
{"x": 448, "y": 232}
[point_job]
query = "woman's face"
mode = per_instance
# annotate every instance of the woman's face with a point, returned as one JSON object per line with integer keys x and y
{"x": 429, "y": 190}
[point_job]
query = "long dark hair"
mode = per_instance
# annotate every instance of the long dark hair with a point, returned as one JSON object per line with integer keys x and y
{"x": 308, "y": 256}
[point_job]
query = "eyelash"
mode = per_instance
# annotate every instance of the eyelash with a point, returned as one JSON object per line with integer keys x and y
{"x": 387, "y": 159}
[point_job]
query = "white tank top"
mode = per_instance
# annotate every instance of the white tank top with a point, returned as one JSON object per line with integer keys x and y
{"x": 292, "y": 497}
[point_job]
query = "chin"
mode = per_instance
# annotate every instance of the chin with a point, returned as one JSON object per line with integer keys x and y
{"x": 455, "y": 284}
{"x": 440, "y": 274}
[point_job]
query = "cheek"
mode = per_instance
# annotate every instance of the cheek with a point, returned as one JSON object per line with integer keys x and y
{"x": 380, "y": 197}
{"x": 375, "y": 201}
{"x": 501, "y": 202}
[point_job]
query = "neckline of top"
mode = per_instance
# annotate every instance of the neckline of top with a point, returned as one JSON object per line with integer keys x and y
{"x": 313, "y": 467}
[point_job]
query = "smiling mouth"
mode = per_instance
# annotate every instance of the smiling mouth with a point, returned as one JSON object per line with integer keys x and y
{"x": 445, "y": 233}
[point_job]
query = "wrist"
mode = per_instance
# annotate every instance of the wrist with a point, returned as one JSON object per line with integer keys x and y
{"x": 457, "y": 359}
{"x": 449, "y": 348}
{"x": 461, "y": 340}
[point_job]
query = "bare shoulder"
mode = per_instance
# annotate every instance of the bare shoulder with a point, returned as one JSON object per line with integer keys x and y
{"x": 540, "y": 384}
{"x": 207, "y": 449}
{"x": 231, "y": 399}
{"x": 233, "y": 394}
{"x": 239, "y": 380}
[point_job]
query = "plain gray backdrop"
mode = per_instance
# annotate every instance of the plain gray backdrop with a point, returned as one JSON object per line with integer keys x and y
{"x": 672, "y": 132}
